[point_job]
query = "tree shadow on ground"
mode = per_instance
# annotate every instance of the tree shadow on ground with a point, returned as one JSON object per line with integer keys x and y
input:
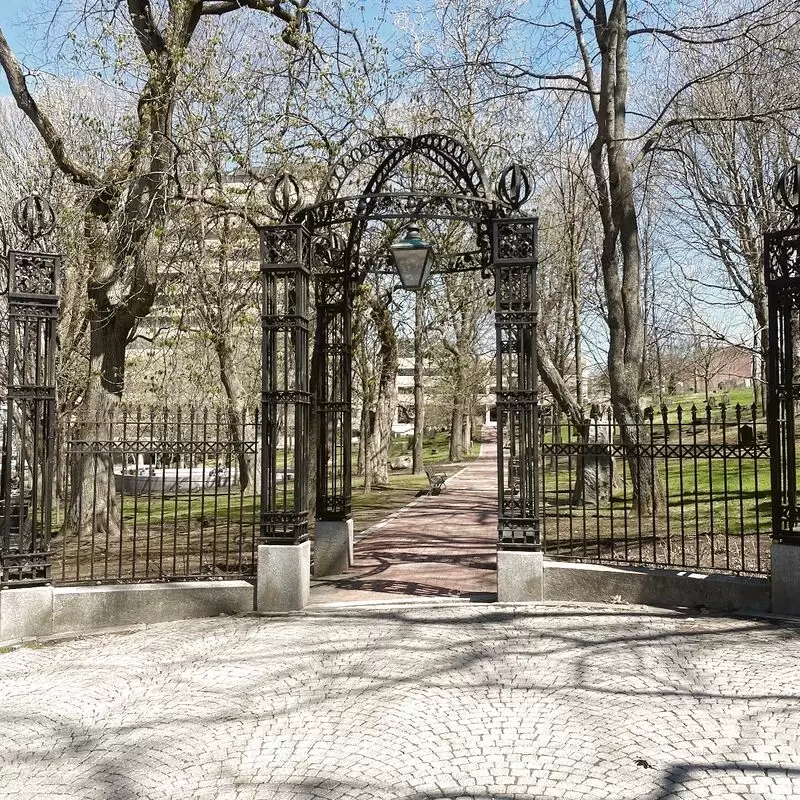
{"x": 395, "y": 654}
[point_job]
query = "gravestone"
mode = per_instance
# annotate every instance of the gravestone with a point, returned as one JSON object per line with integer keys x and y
{"x": 596, "y": 468}
{"x": 747, "y": 436}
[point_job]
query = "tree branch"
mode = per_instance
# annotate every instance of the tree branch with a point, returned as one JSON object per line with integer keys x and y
{"x": 221, "y": 206}
{"x": 557, "y": 386}
{"x": 51, "y": 137}
{"x": 219, "y": 7}
{"x": 150, "y": 38}
{"x": 585, "y": 57}
{"x": 683, "y": 34}
{"x": 274, "y": 7}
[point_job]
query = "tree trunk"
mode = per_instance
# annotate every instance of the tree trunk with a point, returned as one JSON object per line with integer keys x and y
{"x": 93, "y": 507}
{"x": 386, "y": 401}
{"x": 457, "y": 429}
{"x": 363, "y": 429}
{"x": 659, "y": 372}
{"x": 576, "y": 332}
{"x": 59, "y": 482}
{"x": 760, "y": 380}
{"x": 555, "y": 434}
{"x": 314, "y": 424}
{"x": 557, "y": 387}
{"x": 235, "y": 411}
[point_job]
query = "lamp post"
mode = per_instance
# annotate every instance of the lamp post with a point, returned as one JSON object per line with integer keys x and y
{"x": 413, "y": 258}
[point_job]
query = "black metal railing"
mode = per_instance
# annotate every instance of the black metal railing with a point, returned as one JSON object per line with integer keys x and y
{"x": 158, "y": 495}
{"x": 713, "y": 509}
{"x": 169, "y": 494}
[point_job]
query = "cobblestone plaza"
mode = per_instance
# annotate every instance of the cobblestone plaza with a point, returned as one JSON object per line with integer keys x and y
{"x": 423, "y": 701}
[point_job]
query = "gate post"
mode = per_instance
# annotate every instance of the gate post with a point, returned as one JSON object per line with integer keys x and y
{"x": 284, "y": 552}
{"x": 333, "y": 531}
{"x": 26, "y": 484}
{"x": 519, "y": 556}
{"x": 782, "y": 279}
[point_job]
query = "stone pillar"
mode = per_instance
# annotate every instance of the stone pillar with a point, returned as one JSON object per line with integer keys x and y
{"x": 785, "y": 579}
{"x": 520, "y": 576}
{"x": 333, "y": 546}
{"x": 284, "y": 577}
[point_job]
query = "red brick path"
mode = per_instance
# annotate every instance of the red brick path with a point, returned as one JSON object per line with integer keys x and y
{"x": 438, "y": 546}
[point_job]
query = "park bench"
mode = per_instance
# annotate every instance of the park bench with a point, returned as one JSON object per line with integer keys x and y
{"x": 435, "y": 479}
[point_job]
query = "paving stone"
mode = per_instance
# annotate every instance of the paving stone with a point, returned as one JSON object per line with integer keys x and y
{"x": 409, "y": 702}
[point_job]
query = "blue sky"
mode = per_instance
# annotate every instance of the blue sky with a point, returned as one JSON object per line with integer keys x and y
{"x": 23, "y": 22}
{"x": 13, "y": 15}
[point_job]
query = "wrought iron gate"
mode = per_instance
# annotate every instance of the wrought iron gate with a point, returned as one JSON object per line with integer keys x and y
{"x": 308, "y": 243}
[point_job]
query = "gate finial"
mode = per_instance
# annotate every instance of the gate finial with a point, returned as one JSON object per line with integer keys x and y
{"x": 34, "y": 216}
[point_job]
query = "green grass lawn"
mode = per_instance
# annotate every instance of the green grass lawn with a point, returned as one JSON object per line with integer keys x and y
{"x": 435, "y": 449}
{"x": 742, "y": 396}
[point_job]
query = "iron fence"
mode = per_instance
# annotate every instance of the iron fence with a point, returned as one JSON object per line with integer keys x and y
{"x": 173, "y": 494}
{"x": 713, "y": 471}
{"x": 161, "y": 494}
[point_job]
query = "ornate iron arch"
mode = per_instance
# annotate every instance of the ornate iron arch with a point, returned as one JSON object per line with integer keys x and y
{"x": 307, "y": 246}
{"x": 469, "y": 199}
{"x": 456, "y": 159}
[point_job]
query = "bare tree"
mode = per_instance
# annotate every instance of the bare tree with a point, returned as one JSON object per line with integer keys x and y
{"x": 722, "y": 168}
{"x": 420, "y": 353}
{"x": 128, "y": 201}
{"x": 620, "y": 155}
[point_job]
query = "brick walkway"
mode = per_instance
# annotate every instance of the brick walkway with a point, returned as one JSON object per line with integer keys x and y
{"x": 439, "y": 546}
{"x": 412, "y": 702}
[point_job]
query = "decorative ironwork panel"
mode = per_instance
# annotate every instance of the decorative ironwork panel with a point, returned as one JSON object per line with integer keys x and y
{"x": 515, "y": 241}
{"x": 345, "y": 210}
{"x": 285, "y": 398}
{"x": 782, "y": 273}
{"x": 29, "y": 418}
{"x": 455, "y": 159}
{"x": 514, "y": 252}
{"x": 333, "y": 386}
{"x": 284, "y": 248}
